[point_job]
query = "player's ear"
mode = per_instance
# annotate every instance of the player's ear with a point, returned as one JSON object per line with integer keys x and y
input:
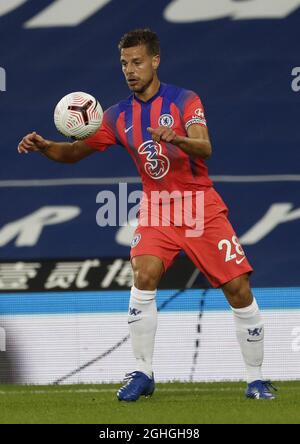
{"x": 155, "y": 61}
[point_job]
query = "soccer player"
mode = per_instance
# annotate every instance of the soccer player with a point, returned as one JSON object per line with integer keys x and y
{"x": 163, "y": 128}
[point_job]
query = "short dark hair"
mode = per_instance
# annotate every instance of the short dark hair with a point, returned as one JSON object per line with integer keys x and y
{"x": 141, "y": 37}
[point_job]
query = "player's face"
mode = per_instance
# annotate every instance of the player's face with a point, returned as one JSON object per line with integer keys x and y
{"x": 139, "y": 67}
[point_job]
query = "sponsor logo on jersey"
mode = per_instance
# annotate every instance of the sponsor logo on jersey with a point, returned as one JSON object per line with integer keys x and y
{"x": 157, "y": 164}
{"x": 199, "y": 112}
{"x": 136, "y": 240}
{"x": 166, "y": 120}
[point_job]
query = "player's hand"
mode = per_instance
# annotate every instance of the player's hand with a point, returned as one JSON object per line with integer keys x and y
{"x": 32, "y": 142}
{"x": 163, "y": 133}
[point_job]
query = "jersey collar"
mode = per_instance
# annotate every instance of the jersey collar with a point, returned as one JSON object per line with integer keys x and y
{"x": 159, "y": 93}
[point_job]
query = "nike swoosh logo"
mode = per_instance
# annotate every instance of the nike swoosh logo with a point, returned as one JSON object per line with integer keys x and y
{"x": 258, "y": 340}
{"x": 135, "y": 320}
{"x": 128, "y": 129}
{"x": 241, "y": 260}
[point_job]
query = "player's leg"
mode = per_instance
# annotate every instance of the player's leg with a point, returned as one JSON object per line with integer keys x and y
{"x": 219, "y": 255}
{"x": 249, "y": 324}
{"x": 142, "y": 318}
{"x": 250, "y": 333}
{"x": 151, "y": 254}
{"x": 142, "y": 321}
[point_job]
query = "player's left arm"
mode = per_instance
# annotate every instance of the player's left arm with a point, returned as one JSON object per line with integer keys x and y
{"x": 196, "y": 143}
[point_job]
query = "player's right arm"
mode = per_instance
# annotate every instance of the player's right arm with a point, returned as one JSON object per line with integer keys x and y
{"x": 66, "y": 152}
{"x": 69, "y": 152}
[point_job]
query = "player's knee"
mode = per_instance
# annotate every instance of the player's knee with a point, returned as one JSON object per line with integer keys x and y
{"x": 147, "y": 272}
{"x": 238, "y": 292}
{"x": 145, "y": 280}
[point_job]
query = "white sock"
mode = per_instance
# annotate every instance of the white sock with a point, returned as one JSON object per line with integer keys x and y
{"x": 142, "y": 320}
{"x": 250, "y": 334}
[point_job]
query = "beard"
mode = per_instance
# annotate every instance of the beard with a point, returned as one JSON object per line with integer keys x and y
{"x": 141, "y": 88}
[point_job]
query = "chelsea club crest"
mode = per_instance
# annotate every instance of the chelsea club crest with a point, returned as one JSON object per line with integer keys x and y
{"x": 166, "y": 120}
{"x": 136, "y": 240}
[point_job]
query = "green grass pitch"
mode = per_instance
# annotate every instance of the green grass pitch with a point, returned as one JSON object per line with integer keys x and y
{"x": 172, "y": 403}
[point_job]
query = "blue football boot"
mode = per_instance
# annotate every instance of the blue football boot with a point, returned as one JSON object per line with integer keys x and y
{"x": 137, "y": 384}
{"x": 260, "y": 390}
